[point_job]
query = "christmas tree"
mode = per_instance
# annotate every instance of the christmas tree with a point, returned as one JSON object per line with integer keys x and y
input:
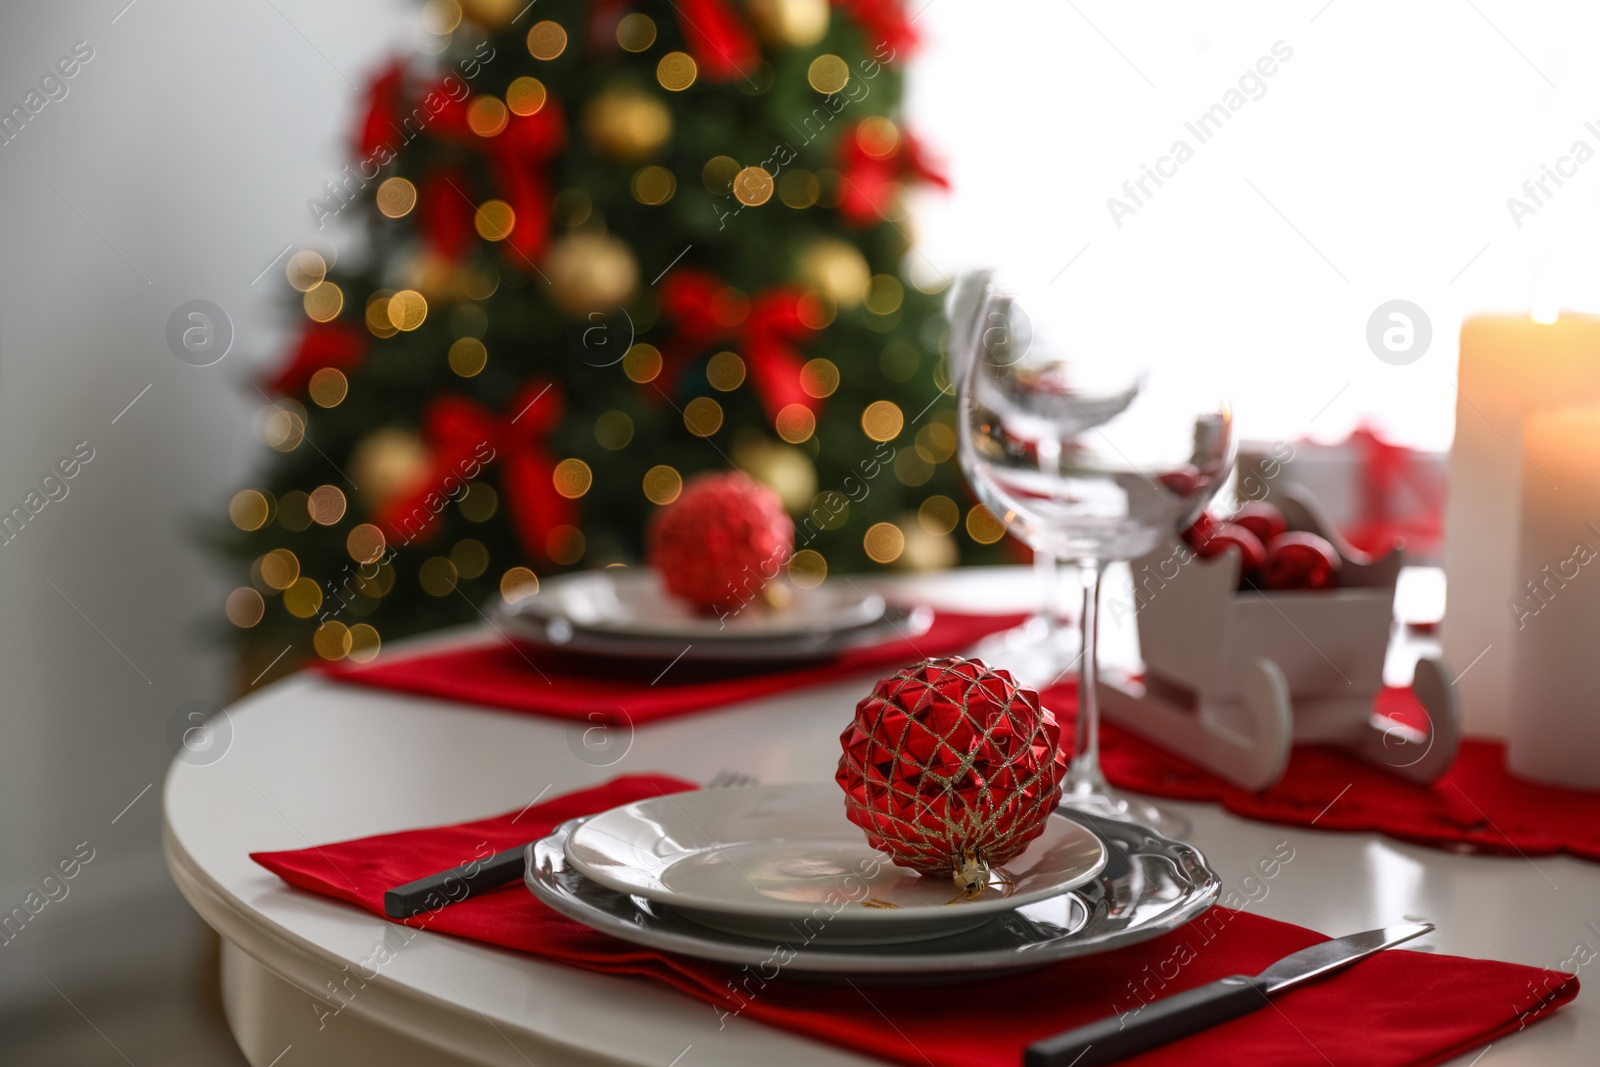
{"x": 605, "y": 245}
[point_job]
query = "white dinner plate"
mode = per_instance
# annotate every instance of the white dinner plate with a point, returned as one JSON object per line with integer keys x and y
{"x": 629, "y": 602}
{"x": 761, "y": 861}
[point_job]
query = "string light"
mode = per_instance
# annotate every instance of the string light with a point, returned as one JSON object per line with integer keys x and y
{"x": 546, "y": 40}
{"x": 437, "y": 576}
{"x": 480, "y": 503}
{"x": 753, "y": 186}
{"x": 819, "y": 378}
{"x": 396, "y": 197}
{"x": 983, "y": 527}
{"x": 938, "y": 515}
{"x": 676, "y": 71}
{"x": 572, "y": 478}
{"x": 517, "y": 584}
{"x": 323, "y": 302}
{"x": 653, "y": 185}
{"x": 718, "y": 175}
{"x": 364, "y": 643}
{"x": 807, "y": 568}
{"x": 468, "y": 356}
{"x": 828, "y": 73}
{"x": 884, "y": 542}
{"x": 305, "y": 270}
{"x": 303, "y": 598}
{"x": 725, "y": 371}
{"x": 245, "y": 607}
{"x": 407, "y": 309}
{"x": 249, "y": 509}
{"x": 326, "y": 504}
{"x": 332, "y": 640}
{"x": 526, "y": 96}
{"x": 882, "y": 420}
{"x": 365, "y": 543}
{"x": 487, "y": 116}
{"x": 494, "y": 220}
{"x": 795, "y": 423}
{"x": 328, "y": 387}
{"x": 662, "y": 484}
{"x": 702, "y": 416}
{"x": 642, "y": 363}
{"x": 636, "y": 32}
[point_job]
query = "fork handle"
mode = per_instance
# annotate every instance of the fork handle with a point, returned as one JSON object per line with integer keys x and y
{"x": 454, "y": 885}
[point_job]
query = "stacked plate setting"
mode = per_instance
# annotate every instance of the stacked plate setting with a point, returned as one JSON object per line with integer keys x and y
{"x": 735, "y": 875}
{"x": 627, "y": 613}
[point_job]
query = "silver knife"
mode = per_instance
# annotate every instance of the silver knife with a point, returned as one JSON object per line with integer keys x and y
{"x": 1163, "y": 1021}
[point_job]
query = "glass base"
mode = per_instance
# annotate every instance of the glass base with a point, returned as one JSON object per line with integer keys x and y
{"x": 1038, "y": 653}
{"x": 1115, "y": 804}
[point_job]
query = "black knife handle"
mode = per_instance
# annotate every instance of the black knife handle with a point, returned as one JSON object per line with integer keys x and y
{"x": 1157, "y": 1023}
{"x": 456, "y": 884}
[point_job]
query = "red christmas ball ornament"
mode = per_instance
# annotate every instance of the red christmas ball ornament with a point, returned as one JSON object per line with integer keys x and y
{"x": 1199, "y": 531}
{"x": 951, "y": 768}
{"x": 1301, "y": 561}
{"x": 1262, "y": 519}
{"x": 1226, "y": 535}
{"x": 720, "y": 543}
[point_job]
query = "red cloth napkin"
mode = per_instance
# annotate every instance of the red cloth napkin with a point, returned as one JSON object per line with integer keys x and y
{"x": 1397, "y": 1008}
{"x": 547, "y": 682}
{"x": 1478, "y": 806}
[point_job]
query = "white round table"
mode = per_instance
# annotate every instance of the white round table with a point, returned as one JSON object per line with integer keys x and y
{"x": 313, "y": 761}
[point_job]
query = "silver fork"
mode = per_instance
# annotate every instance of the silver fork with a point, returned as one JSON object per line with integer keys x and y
{"x": 731, "y": 780}
{"x": 500, "y": 869}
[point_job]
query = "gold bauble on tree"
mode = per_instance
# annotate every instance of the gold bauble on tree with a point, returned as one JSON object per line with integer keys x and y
{"x": 626, "y": 123}
{"x": 591, "y": 272}
{"x": 785, "y": 468}
{"x": 837, "y": 268}
{"x": 387, "y": 463}
{"x": 791, "y": 23}
{"x": 495, "y": 14}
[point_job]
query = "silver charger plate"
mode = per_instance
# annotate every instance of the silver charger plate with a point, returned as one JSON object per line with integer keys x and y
{"x": 607, "y": 614}
{"x": 1150, "y": 884}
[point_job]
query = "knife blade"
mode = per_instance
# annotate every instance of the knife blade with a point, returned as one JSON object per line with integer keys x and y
{"x": 1160, "y": 1022}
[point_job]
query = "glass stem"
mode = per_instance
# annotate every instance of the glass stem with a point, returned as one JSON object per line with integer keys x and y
{"x": 1057, "y": 610}
{"x": 1084, "y": 778}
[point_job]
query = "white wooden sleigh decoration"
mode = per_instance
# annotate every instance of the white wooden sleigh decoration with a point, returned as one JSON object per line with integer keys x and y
{"x": 1232, "y": 680}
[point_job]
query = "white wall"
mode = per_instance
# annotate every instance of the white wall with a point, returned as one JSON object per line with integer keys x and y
{"x": 1390, "y": 141}
{"x": 190, "y": 143}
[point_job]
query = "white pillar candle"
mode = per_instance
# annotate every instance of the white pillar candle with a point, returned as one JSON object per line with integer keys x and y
{"x": 1510, "y": 365}
{"x": 1554, "y": 724}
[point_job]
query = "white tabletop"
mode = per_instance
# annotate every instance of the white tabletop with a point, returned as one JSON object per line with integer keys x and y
{"x": 313, "y": 761}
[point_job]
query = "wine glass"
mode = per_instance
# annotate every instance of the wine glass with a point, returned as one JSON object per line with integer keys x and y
{"x": 1090, "y": 454}
{"x": 1045, "y": 645}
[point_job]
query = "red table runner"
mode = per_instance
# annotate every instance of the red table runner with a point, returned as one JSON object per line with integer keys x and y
{"x": 1479, "y": 806}
{"x": 547, "y": 682}
{"x": 1397, "y": 1008}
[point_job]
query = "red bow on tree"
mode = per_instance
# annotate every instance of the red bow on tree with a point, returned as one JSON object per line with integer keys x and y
{"x": 445, "y": 214}
{"x": 322, "y": 344}
{"x": 871, "y": 171}
{"x": 380, "y": 121}
{"x": 521, "y": 152}
{"x": 722, "y": 47}
{"x": 463, "y": 437}
{"x": 764, "y": 331}
{"x": 884, "y": 22}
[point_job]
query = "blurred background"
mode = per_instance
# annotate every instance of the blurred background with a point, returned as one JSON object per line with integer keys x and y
{"x": 1374, "y": 164}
